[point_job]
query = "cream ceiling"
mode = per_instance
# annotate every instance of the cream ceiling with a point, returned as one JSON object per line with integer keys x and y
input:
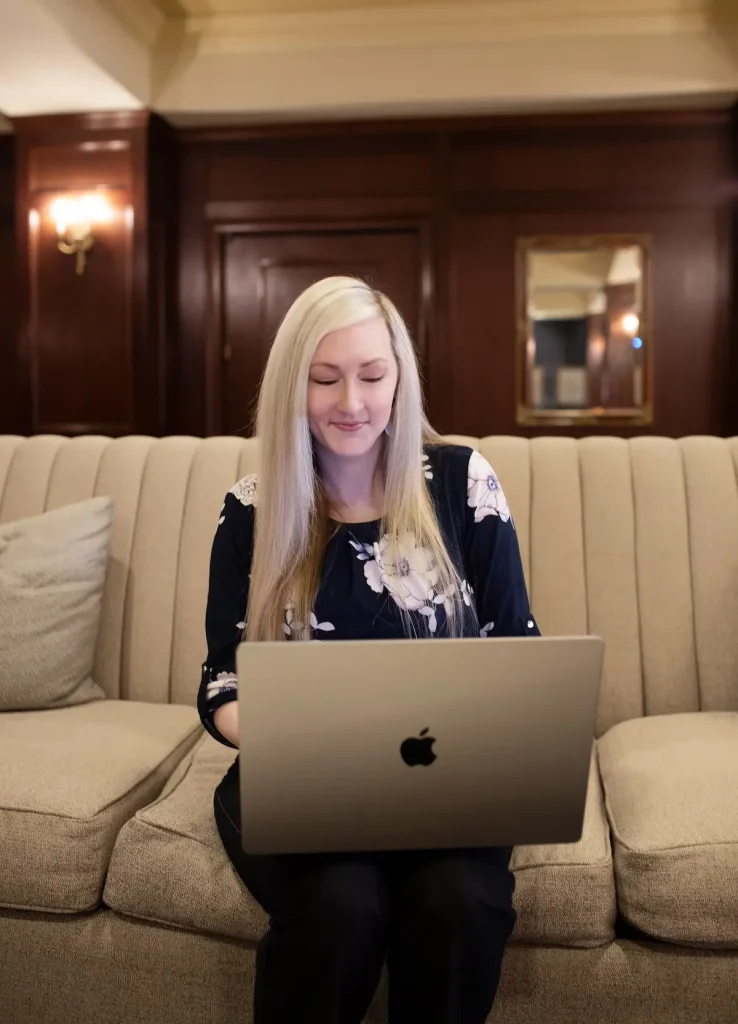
{"x": 209, "y": 7}
{"x": 225, "y": 60}
{"x": 571, "y": 284}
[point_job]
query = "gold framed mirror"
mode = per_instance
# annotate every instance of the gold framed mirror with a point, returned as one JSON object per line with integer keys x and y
{"x": 584, "y": 337}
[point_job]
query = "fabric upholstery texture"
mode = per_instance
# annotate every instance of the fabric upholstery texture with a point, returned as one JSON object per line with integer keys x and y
{"x": 636, "y": 540}
{"x": 671, "y": 786}
{"x": 639, "y": 535}
{"x": 69, "y": 779}
{"x": 104, "y": 968}
{"x": 565, "y": 895}
{"x": 52, "y": 575}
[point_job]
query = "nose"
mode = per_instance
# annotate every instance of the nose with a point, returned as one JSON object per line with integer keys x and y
{"x": 349, "y": 400}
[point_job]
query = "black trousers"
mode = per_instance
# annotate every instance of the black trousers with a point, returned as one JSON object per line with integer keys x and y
{"x": 441, "y": 919}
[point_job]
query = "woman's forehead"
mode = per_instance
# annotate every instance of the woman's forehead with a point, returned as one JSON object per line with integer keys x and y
{"x": 357, "y": 345}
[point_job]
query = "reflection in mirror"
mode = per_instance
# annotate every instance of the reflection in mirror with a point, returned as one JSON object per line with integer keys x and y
{"x": 584, "y": 345}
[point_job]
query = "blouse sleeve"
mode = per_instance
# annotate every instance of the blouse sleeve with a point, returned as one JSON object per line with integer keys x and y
{"x": 230, "y": 565}
{"x": 492, "y": 556}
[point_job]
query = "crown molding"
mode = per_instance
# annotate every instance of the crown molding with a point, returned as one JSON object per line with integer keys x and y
{"x": 81, "y": 124}
{"x": 448, "y": 23}
{"x": 691, "y": 116}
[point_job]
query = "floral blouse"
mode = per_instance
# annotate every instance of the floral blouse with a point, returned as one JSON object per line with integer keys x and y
{"x": 365, "y": 581}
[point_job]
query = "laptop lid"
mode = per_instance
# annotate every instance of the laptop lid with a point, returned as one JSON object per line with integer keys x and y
{"x": 415, "y": 744}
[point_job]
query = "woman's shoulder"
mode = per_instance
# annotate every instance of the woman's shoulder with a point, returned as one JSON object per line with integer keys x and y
{"x": 240, "y": 501}
{"x": 446, "y": 462}
{"x": 446, "y": 468}
{"x": 467, "y": 479}
{"x": 245, "y": 490}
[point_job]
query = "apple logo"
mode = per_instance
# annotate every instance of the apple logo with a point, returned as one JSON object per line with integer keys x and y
{"x": 415, "y": 751}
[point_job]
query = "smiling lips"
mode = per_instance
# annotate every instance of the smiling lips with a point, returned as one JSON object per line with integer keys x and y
{"x": 349, "y": 427}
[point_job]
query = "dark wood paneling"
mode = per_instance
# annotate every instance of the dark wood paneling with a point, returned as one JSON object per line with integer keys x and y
{"x": 81, "y": 328}
{"x": 351, "y": 168}
{"x": 627, "y": 122}
{"x": 51, "y": 166}
{"x": 195, "y": 306}
{"x": 263, "y": 273}
{"x": 155, "y": 242}
{"x": 467, "y": 188}
{"x": 690, "y": 346}
{"x": 587, "y": 161}
{"x": 477, "y": 185}
{"x": 8, "y": 289}
{"x": 730, "y": 282}
{"x": 285, "y": 186}
{"x": 77, "y": 330}
{"x": 94, "y": 349}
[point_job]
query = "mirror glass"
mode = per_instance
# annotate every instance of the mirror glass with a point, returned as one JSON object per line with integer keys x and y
{"x": 584, "y": 337}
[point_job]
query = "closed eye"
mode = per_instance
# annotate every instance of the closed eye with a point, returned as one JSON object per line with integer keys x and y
{"x": 366, "y": 380}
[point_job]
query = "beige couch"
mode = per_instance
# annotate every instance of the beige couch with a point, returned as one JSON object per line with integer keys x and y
{"x": 117, "y": 902}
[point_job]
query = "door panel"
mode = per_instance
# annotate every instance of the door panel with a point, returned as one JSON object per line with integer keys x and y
{"x": 264, "y": 273}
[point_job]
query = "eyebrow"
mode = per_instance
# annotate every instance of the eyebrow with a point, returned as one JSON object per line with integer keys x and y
{"x": 332, "y": 366}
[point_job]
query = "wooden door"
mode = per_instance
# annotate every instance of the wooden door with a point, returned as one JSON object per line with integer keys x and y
{"x": 264, "y": 273}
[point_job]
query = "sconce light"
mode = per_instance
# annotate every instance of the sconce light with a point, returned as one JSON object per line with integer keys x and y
{"x": 630, "y": 324}
{"x": 74, "y": 219}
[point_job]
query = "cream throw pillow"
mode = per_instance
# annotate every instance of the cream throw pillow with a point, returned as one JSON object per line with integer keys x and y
{"x": 52, "y": 573}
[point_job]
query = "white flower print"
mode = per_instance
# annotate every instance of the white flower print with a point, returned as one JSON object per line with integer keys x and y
{"x": 365, "y": 551}
{"x": 445, "y": 598}
{"x": 326, "y": 627}
{"x": 223, "y": 682}
{"x": 430, "y": 611}
{"x": 222, "y": 517}
{"x": 485, "y": 630}
{"x": 290, "y": 624}
{"x": 427, "y": 471}
{"x": 245, "y": 490}
{"x": 408, "y": 572}
{"x": 484, "y": 493}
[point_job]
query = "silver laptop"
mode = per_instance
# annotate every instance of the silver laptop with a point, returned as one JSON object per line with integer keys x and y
{"x": 415, "y": 744}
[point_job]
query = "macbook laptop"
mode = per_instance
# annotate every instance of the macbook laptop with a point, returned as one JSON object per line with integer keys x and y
{"x": 415, "y": 744}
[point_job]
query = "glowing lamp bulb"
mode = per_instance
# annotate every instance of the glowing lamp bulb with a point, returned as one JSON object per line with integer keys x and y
{"x": 630, "y": 323}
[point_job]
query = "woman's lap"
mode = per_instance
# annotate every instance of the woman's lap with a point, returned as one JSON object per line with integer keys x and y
{"x": 376, "y": 879}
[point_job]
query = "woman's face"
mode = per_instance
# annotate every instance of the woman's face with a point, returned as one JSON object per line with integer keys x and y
{"x": 351, "y": 387}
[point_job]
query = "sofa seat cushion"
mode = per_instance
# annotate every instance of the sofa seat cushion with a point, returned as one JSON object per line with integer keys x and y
{"x": 671, "y": 790}
{"x": 69, "y": 778}
{"x": 565, "y": 893}
{"x": 169, "y": 866}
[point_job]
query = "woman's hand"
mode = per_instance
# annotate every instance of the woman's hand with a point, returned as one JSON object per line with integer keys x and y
{"x": 225, "y": 721}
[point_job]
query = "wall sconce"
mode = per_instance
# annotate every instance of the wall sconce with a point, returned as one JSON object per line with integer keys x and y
{"x": 74, "y": 219}
{"x": 630, "y": 324}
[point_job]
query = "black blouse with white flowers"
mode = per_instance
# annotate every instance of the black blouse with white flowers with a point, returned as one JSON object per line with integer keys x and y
{"x": 365, "y": 582}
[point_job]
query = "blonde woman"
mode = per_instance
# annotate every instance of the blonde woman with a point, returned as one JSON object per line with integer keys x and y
{"x": 362, "y": 524}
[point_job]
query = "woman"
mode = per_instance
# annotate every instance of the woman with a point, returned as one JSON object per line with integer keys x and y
{"x": 362, "y": 524}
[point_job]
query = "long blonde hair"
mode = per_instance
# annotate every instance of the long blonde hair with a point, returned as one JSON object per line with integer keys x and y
{"x": 292, "y": 522}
